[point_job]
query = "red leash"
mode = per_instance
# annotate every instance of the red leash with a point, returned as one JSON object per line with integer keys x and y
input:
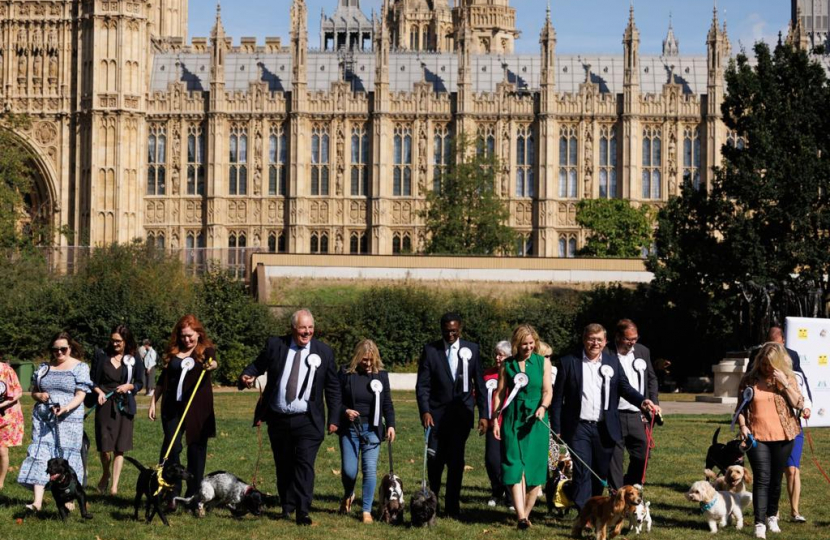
{"x": 649, "y": 446}
{"x": 809, "y": 438}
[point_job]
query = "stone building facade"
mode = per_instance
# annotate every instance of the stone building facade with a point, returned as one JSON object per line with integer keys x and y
{"x": 138, "y": 134}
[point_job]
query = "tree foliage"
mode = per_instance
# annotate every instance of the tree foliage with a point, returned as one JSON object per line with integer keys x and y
{"x": 15, "y": 181}
{"x": 767, "y": 217}
{"x": 466, "y": 217}
{"x": 617, "y": 229}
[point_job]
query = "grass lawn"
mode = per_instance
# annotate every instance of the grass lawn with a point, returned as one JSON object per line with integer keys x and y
{"x": 676, "y": 463}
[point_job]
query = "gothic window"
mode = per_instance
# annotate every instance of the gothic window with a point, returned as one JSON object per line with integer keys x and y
{"x": 238, "y": 168}
{"x": 277, "y": 158}
{"x": 608, "y": 162}
{"x": 319, "y": 160}
{"x": 402, "y": 175}
{"x": 691, "y": 156}
{"x": 567, "y": 245}
{"x": 401, "y": 243}
{"x": 360, "y": 160}
{"x": 156, "y": 240}
{"x": 525, "y": 161}
{"x": 568, "y": 147}
{"x": 237, "y": 242}
{"x": 276, "y": 242}
{"x": 735, "y": 141}
{"x": 441, "y": 156}
{"x": 486, "y": 141}
{"x": 195, "y": 160}
{"x": 272, "y": 243}
{"x": 319, "y": 242}
{"x": 156, "y": 160}
{"x": 358, "y": 243}
{"x": 524, "y": 245}
{"x": 652, "y": 162}
{"x": 194, "y": 244}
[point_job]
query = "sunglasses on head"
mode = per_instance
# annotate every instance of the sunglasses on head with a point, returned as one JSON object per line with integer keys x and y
{"x": 61, "y": 350}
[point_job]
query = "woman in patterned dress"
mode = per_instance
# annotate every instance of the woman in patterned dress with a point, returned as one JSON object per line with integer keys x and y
{"x": 58, "y": 388}
{"x": 11, "y": 417}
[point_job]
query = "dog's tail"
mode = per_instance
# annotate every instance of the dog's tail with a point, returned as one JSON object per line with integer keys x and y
{"x": 135, "y": 462}
{"x": 715, "y": 436}
{"x": 188, "y": 502}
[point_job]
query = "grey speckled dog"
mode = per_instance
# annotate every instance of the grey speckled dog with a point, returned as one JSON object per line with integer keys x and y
{"x": 221, "y": 488}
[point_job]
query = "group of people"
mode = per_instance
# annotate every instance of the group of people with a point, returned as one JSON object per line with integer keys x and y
{"x": 597, "y": 401}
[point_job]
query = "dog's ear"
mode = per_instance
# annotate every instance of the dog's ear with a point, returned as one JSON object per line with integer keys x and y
{"x": 747, "y": 476}
{"x": 710, "y": 474}
{"x": 648, "y": 503}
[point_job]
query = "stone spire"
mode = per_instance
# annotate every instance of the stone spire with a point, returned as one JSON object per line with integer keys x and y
{"x": 218, "y": 40}
{"x": 547, "y": 40}
{"x": 797, "y": 36}
{"x": 299, "y": 52}
{"x": 671, "y": 47}
{"x": 382, "y": 58}
{"x": 631, "y": 51}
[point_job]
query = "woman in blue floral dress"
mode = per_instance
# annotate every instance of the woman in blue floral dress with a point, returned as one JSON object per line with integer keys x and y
{"x": 58, "y": 388}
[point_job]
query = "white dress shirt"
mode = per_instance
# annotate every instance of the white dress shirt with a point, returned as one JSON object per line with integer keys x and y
{"x": 451, "y": 352}
{"x": 627, "y": 363}
{"x": 591, "y": 389}
{"x": 299, "y": 405}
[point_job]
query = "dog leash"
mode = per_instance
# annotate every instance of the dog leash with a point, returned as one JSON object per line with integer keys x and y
{"x": 259, "y": 438}
{"x": 574, "y": 454}
{"x": 91, "y": 409}
{"x": 389, "y": 448}
{"x": 809, "y": 437}
{"x": 426, "y": 452}
{"x": 649, "y": 446}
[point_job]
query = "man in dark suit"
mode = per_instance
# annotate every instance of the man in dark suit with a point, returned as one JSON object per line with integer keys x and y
{"x": 585, "y": 412}
{"x": 301, "y": 370}
{"x": 450, "y": 383}
{"x": 635, "y": 360}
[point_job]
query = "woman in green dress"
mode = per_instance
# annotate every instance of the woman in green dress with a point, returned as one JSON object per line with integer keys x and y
{"x": 525, "y": 436}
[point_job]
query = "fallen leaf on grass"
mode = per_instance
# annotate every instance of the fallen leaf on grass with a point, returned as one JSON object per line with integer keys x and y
{"x": 335, "y": 472}
{"x": 330, "y": 449}
{"x": 412, "y": 461}
{"x": 468, "y": 468}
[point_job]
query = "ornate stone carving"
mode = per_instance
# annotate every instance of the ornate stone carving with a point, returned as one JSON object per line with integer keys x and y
{"x": 672, "y": 161}
{"x": 45, "y": 133}
{"x": 589, "y": 161}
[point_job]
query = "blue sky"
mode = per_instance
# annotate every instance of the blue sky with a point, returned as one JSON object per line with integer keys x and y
{"x": 582, "y": 26}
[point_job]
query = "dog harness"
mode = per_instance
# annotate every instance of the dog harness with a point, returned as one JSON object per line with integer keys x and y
{"x": 163, "y": 485}
{"x": 705, "y": 507}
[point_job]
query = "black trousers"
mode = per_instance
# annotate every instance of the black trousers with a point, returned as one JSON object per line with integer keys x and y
{"x": 768, "y": 460}
{"x": 493, "y": 452}
{"x": 450, "y": 443}
{"x": 294, "y": 442}
{"x": 634, "y": 440}
{"x": 196, "y": 455}
{"x": 591, "y": 443}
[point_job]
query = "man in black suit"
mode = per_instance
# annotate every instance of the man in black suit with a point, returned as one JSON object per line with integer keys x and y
{"x": 301, "y": 370}
{"x": 635, "y": 360}
{"x": 450, "y": 383}
{"x": 585, "y": 412}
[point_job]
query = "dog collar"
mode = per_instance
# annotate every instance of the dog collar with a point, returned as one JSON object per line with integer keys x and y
{"x": 705, "y": 507}
{"x": 163, "y": 485}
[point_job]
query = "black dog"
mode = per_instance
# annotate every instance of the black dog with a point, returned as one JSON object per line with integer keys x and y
{"x": 423, "y": 507}
{"x": 65, "y": 487}
{"x": 157, "y": 492}
{"x": 722, "y": 455}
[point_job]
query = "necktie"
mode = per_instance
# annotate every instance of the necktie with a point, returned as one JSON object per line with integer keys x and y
{"x": 293, "y": 378}
{"x": 453, "y": 360}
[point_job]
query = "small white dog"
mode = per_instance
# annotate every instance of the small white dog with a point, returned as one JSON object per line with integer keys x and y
{"x": 736, "y": 480}
{"x": 640, "y": 517}
{"x": 717, "y": 506}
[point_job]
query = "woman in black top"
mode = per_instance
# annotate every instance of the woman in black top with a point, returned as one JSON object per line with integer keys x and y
{"x": 117, "y": 371}
{"x": 367, "y": 405}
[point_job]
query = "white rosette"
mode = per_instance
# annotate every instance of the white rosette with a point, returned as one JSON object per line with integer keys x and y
{"x": 3, "y": 390}
{"x": 41, "y": 373}
{"x": 491, "y": 386}
{"x": 313, "y": 362}
{"x": 607, "y": 372}
{"x": 129, "y": 361}
{"x": 187, "y": 364}
{"x": 748, "y": 395}
{"x": 465, "y": 354}
{"x": 553, "y": 372}
{"x": 377, "y": 388}
{"x": 520, "y": 380}
{"x": 640, "y": 368}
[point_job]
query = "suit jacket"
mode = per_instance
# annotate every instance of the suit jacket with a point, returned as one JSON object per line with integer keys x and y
{"x": 641, "y": 351}
{"x": 796, "y": 360}
{"x": 97, "y": 373}
{"x": 567, "y": 397}
{"x": 436, "y": 391}
{"x": 272, "y": 360}
{"x": 386, "y": 408}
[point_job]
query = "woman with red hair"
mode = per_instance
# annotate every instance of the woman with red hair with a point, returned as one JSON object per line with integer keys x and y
{"x": 188, "y": 354}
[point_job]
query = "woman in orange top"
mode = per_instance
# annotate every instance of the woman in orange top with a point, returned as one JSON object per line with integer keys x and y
{"x": 771, "y": 420}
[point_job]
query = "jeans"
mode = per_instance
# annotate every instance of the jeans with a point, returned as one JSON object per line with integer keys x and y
{"x": 368, "y": 445}
{"x": 768, "y": 461}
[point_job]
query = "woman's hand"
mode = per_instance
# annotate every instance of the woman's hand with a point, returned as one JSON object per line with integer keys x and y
{"x": 102, "y": 398}
{"x": 332, "y": 429}
{"x": 352, "y": 414}
{"x": 780, "y": 378}
{"x": 211, "y": 365}
{"x": 496, "y": 430}
{"x": 390, "y": 434}
{"x": 540, "y": 413}
{"x": 61, "y": 410}
{"x": 806, "y": 414}
{"x": 42, "y": 397}
{"x": 745, "y": 433}
{"x": 124, "y": 389}
{"x": 151, "y": 414}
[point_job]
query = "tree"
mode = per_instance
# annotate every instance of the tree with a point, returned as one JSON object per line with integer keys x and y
{"x": 617, "y": 228}
{"x": 466, "y": 217}
{"x": 15, "y": 181}
{"x": 767, "y": 216}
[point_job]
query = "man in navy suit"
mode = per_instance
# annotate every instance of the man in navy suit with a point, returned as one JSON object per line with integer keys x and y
{"x": 585, "y": 412}
{"x": 301, "y": 370}
{"x": 450, "y": 384}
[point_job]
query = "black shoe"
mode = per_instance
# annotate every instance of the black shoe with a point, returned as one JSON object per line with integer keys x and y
{"x": 523, "y": 525}
{"x": 285, "y": 514}
{"x": 303, "y": 519}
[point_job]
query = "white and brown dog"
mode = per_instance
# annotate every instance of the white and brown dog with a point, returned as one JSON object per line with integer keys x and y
{"x": 639, "y": 517}
{"x": 391, "y": 500}
{"x": 717, "y": 506}
{"x": 735, "y": 480}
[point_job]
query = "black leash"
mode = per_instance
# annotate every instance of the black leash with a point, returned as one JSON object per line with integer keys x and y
{"x": 391, "y": 467}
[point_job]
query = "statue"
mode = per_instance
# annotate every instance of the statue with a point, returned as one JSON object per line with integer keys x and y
{"x": 338, "y": 243}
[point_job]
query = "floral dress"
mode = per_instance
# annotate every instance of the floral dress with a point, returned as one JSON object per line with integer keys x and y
{"x": 11, "y": 422}
{"x": 61, "y": 386}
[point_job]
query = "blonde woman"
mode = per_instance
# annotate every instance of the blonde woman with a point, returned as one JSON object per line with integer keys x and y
{"x": 365, "y": 409}
{"x": 769, "y": 418}
{"x": 525, "y": 437}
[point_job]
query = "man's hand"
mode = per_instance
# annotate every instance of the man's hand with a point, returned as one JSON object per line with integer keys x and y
{"x": 248, "y": 380}
{"x": 426, "y": 420}
{"x": 483, "y": 424}
{"x": 649, "y": 406}
{"x": 332, "y": 429}
{"x": 806, "y": 414}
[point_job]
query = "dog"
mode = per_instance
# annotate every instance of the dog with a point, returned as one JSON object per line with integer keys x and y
{"x": 640, "y": 518}
{"x": 423, "y": 507}
{"x": 156, "y": 489}
{"x": 559, "y": 489}
{"x": 65, "y": 487}
{"x": 722, "y": 455}
{"x": 603, "y": 512}
{"x": 736, "y": 480}
{"x": 717, "y": 506}
{"x": 391, "y": 500}
{"x": 221, "y": 488}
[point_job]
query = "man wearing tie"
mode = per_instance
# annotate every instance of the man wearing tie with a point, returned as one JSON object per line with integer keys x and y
{"x": 585, "y": 409}
{"x": 635, "y": 360}
{"x": 301, "y": 371}
{"x": 450, "y": 384}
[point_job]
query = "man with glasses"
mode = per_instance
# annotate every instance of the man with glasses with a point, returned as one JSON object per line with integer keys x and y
{"x": 584, "y": 411}
{"x": 635, "y": 360}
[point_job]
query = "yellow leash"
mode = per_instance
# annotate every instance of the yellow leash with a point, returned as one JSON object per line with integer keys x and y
{"x": 161, "y": 482}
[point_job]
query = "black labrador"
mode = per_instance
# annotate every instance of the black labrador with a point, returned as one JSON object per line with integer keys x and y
{"x": 157, "y": 492}
{"x": 65, "y": 487}
{"x": 724, "y": 456}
